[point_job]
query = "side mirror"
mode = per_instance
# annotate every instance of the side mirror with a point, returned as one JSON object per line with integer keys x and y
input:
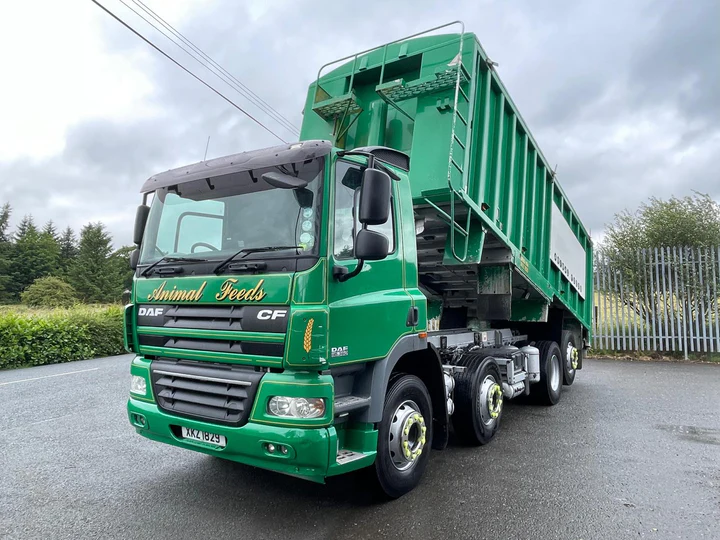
{"x": 374, "y": 206}
{"x": 134, "y": 257}
{"x": 140, "y": 220}
{"x": 371, "y": 245}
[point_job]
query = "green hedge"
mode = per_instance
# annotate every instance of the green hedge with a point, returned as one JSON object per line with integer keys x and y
{"x": 36, "y": 337}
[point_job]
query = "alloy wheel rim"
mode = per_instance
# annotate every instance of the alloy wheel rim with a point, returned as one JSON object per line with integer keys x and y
{"x": 490, "y": 400}
{"x": 406, "y": 439}
{"x": 571, "y": 354}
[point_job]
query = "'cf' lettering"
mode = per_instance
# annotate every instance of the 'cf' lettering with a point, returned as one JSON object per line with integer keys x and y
{"x": 270, "y": 314}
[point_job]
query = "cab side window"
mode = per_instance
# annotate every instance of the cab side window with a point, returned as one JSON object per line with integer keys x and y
{"x": 347, "y": 184}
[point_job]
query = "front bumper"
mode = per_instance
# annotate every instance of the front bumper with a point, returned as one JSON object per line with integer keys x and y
{"x": 311, "y": 450}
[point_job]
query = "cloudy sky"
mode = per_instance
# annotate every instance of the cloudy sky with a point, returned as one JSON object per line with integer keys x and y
{"x": 623, "y": 95}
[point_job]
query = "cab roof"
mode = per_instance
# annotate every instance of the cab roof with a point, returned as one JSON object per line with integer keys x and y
{"x": 237, "y": 163}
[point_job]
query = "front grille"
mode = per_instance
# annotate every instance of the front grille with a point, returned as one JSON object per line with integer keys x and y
{"x": 212, "y": 345}
{"x": 217, "y": 317}
{"x": 244, "y": 318}
{"x": 210, "y": 317}
{"x": 213, "y": 392}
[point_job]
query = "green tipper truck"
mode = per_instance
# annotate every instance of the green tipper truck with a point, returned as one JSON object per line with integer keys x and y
{"x": 351, "y": 300}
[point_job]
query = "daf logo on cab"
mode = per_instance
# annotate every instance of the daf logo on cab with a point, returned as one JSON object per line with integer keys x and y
{"x": 151, "y": 311}
{"x": 271, "y": 314}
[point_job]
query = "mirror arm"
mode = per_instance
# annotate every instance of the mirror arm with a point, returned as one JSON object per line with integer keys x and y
{"x": 371, "y": 162}
{"x": 341, "y": 272}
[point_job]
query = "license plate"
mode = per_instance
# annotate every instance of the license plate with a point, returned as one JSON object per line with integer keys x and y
{"x": 204, "y": 436}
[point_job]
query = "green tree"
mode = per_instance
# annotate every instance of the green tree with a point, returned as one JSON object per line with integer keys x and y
{"x": 51, "y": 230}
{"x": 692, "y": 221}
{"x": 49, "y": 292}
{"x": 92, "y": 273}
{"x": 681, "y": 223}
{"x": 50, "y": 246}
{"x": 120, "y": 261}
{"x": 5, "y": 253}
{"x": 5, "y": 213}
{"x": 68, "y": 251}
{"x": 34, "y": 255}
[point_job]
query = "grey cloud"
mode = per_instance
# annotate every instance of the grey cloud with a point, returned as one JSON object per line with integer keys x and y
{"x": 680, "y": 63}
{"x": 113, "y": 149}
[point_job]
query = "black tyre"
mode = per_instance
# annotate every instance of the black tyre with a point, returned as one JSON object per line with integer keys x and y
{"x": 478, "y": 400}
{"x": 547, "y": 391}
{"x": 404, "y": 436}
{"x": 570, "y": 354}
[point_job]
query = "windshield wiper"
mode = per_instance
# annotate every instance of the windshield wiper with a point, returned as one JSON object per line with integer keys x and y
{"x": 248, "y": 251}
{"x": 169, "y": 258}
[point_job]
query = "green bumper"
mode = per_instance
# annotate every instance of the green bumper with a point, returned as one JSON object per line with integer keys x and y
{"x": 311, "y": 451}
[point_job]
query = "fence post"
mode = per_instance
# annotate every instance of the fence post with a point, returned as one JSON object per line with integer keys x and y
{"x": 715, "y": 295}
{"x": 710, "y": 344}
{"x": 674, "y": 346}
{"x": 702, "y": 300}
{"x": 605, "y": 307}
{"x": 664, "y": 300}
{"x": 682, "y": 303}
{"x": 647, "y": 300}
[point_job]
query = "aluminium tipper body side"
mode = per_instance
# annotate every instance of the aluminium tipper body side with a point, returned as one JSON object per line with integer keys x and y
{"x": 473, "y": 162}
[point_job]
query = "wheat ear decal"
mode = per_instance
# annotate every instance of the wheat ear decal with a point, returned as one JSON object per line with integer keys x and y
{"x": 307, "y": 342}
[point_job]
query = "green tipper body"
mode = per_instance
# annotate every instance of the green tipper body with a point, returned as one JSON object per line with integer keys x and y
{"x": 523, "y": 256}
{"x": 479, "y": 152}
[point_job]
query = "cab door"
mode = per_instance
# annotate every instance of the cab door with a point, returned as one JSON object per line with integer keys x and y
{"x": 369, "y": 312}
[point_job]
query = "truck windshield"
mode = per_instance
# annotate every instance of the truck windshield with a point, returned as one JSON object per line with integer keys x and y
{"x": 214, "y": 218}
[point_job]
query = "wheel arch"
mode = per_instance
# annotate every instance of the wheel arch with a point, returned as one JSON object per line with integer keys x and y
{"x": 414, "y": 357}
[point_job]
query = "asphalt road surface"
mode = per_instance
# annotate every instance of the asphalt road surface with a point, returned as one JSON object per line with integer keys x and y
{"x": 631, "y": 451}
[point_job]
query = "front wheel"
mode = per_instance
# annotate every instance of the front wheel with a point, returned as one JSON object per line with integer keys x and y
{"x": 404, "y": 436}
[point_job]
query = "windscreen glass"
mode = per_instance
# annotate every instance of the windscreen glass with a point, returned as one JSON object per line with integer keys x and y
{"x": 214, "y": 218}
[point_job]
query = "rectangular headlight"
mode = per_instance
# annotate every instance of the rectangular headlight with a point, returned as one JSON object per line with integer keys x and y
{"x": 138, "y": 385}
{"x": 296, "y": 407}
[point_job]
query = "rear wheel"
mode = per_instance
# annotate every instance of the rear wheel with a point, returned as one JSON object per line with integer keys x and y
{"x": 571, "y": 355}
{"x": 478, "y": 400}
{"x": 547, "y": 391}
{"x": 404, "y": 436}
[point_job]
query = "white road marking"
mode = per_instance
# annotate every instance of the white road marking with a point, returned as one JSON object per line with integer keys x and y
{"x": 50, "y": 376}
{"x": 49, "y": 419}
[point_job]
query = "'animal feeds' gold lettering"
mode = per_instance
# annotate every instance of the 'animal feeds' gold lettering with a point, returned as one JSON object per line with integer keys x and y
{"x": 229, "y": 292}
{"x": 174, "y": 295}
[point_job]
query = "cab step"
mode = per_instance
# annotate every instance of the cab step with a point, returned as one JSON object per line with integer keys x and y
{"x": 348, "y": 456}
{"x": 347, "y": 404}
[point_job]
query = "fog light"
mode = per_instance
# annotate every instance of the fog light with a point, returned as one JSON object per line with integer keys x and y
{"x": 270, "y": 447}
{"x": 293, "y": 407}
{"x": 283, "y": 449}
{"x": 138, "y": 385}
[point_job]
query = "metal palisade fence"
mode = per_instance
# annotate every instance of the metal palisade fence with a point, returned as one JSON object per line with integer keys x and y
{"x": 661, "y": 299}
